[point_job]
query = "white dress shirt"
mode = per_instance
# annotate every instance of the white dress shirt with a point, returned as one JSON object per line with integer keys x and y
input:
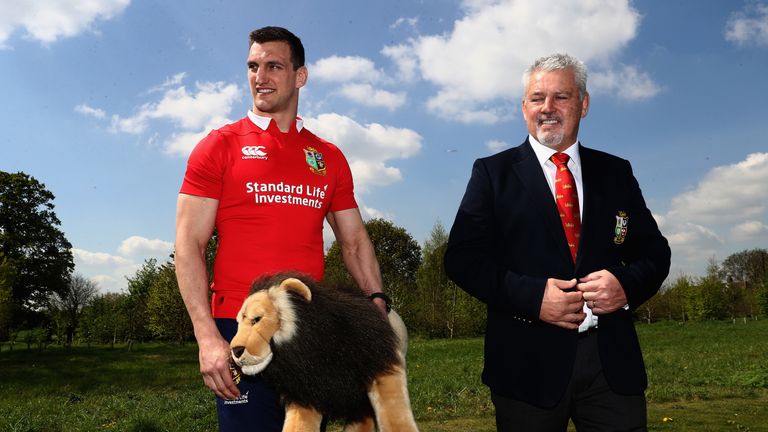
{"x": 543, "y": 153}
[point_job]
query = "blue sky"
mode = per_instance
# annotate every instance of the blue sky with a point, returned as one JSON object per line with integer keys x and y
{"x": 102, "y": 102}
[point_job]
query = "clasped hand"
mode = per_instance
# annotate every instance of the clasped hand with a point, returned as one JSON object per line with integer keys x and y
{"x": 563, "y": 302}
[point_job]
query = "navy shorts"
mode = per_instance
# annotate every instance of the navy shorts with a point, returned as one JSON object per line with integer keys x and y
{"x": 258, "y": 408}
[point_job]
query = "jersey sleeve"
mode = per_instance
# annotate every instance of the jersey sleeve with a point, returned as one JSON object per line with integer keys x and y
{"x": 205, "y": 168}
{"x": 344, "y": 196}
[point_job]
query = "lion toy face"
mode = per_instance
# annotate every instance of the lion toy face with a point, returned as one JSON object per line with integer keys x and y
{"x": 265, "y": 316}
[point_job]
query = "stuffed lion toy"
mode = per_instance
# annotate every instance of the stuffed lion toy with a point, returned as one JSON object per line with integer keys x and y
{"x": 328, "y": 352}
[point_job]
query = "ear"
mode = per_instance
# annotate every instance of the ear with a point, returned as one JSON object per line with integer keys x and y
{"x": 302, "y": 74}
{"x": 297, "y": 286}
{"x": 585, "y": 105}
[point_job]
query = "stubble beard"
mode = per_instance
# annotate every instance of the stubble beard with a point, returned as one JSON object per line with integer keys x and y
{"x": 551, "y": 139}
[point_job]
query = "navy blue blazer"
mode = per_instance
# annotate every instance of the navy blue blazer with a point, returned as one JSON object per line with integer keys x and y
{"x": 507, "y": 240}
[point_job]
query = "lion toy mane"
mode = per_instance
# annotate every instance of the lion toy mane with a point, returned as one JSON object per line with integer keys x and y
{"x": 328, "y": 352}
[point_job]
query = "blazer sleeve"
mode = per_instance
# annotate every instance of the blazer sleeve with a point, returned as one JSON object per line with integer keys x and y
{"x": 646, "y": 254}
{"x": 472, "y": 257}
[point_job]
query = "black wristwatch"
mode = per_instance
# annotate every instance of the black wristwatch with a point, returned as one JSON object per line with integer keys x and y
{"x": 381, "y": 295}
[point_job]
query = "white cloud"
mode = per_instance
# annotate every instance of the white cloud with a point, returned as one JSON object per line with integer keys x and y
{"x": 132, "y": 125}
{"x": 727, "y": 194}
{"x": 189, "y": 44}
{"x": 373, "y": 173}
{"x": 365, "y": 94}
{"x": 107, "y": 283}
{"x": 476, "y": 5}
{"x": 450, "y": 105}
{"x": 90, "y": 111}
{"x": 750, "y": 230}
{"x": 345, "y": 69}
{"x": 402, "y": 21}
{"x": 366, "y": 212}
{"x": 171, "y": 81}
{"x": 405, "y": 60}
{"x": 98, "y": 258}
{"x": 46, "y": 21}
{"x": 729, "y": 206}
{"x": 372, "y": 213}
{"x": 368, "y": 148}
{"x": 194, "y": 113}
{"x": 496, "y": 145}
{"x": 748, "y": 26}
{"x": 187, "y": 110}
{"x": 182, "y": 143}
{"x": 107, "y": 270}
{"x": 136, "y": 245}
{"x": 692, "y": 246}
{"x": 110, "y": 271}
{"x": 627, "y": 83}
{"x": 477, "y": 65}
{"x": 357, "y": 76}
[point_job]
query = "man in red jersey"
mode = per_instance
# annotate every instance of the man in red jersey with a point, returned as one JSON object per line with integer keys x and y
{"x": 266, "y": 184}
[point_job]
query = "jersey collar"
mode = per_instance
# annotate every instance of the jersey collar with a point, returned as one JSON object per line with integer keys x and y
{"x": 263, "y": 122}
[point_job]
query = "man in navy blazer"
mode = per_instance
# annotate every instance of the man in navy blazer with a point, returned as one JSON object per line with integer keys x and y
{"x": 560, "y": 343}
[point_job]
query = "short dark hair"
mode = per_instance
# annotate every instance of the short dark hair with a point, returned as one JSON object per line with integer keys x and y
{"x": 279, "y": 34}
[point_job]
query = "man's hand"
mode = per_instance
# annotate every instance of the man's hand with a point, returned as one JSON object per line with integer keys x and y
{"x": 602, "y": 292}
{"x": 382, "y": 305}
{"x": 563, "y": 309}
{"x": 214, "y": 366}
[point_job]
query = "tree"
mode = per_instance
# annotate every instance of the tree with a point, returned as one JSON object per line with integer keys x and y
{"x": 67, "y": 307}
{"x": 437, "y": 295}
{"x": 680, "y": 294}
{"x": 106, "y": 319}
{"x": 749, "y": 266}
{"x": 707, "y": 300}
{"x": 7, "y": 274}
{"x": 399, "y": 257}
{"x": 745, "y": 273}
{"x": 30, "y": 237}
{"x": 168, "y": 319}
{"x": 442, "y": 309}
{"x": 210, "y": 254}
{"x": 136, "y": 302}
{"x": 655, "y": 307}
{"x": 762, "y": 297}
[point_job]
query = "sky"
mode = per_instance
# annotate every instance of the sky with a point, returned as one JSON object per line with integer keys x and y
{"x": 103, "y": 101}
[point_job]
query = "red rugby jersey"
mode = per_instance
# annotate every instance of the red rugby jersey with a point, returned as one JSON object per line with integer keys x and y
{"x": 274, "y": 191}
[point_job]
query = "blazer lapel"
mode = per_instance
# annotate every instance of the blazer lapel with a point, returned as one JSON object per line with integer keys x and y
{"x": 541, "y": 201}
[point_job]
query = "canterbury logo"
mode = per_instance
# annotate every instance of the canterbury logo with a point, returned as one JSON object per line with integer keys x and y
{"x": 254, "y": 152}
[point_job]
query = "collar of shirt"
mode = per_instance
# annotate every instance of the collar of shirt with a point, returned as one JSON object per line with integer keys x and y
{"x": 543, "y": 153}
{"x": 263, "y": 122}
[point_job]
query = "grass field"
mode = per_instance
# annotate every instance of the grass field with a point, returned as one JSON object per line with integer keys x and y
{"x": 703, "y": 376}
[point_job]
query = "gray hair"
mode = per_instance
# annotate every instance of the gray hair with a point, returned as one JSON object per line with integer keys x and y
{"x": 555, "y": 62}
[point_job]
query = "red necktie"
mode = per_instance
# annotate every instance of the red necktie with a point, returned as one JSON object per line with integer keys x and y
{"x": 567, "y": 198}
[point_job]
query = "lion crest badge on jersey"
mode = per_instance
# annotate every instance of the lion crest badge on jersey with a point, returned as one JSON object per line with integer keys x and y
{"x": 315, "y": 160}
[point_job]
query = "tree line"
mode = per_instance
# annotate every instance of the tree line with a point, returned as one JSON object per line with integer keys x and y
{"x": 43, "y": 301}
{"x": 735, "y": 288}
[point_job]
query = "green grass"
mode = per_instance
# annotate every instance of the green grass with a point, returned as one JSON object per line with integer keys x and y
{"x": 710, "y": 376}
{"x": 703, "y": 376}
